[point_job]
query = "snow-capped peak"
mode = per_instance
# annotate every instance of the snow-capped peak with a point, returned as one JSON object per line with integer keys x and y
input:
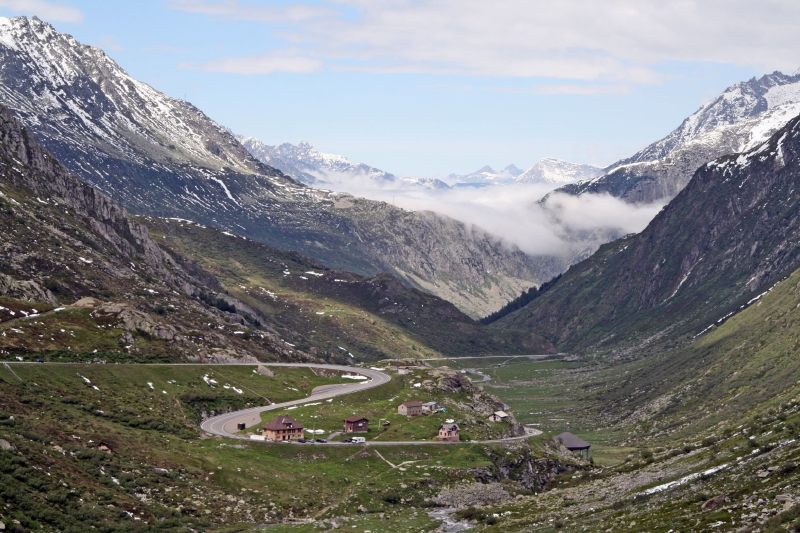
{"x": 307, "y": 164}
{"x": 50, "y": 68}
{"x": 735, "y": 108}
{"x": 485, "y": 175}
{"x": 552, "y": 171}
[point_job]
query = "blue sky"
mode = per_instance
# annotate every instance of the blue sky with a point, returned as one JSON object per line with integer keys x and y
{"x": 430, "y": 87}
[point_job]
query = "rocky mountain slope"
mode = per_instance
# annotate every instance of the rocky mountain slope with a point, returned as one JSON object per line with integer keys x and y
{"x": 338, "y": 312}
{"x": 161, "y": 156}
{"x": 79, "y": 276}
{"x": 742, "y": 117}
{"x": 730, "y": 235}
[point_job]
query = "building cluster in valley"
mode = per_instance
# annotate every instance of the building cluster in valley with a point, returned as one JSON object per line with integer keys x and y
{"x": 284, "y": 428}
{"x": 448, "y": 432}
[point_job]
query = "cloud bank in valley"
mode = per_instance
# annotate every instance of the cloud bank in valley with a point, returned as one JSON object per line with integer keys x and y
{"x": 565, "y": 226}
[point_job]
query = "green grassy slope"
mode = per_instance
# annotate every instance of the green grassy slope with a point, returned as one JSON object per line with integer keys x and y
{"x": 746, "y": 365}
{"x": 371, "y": 317}
{"x": 162, "y": 474}
{"x": 729, "y": 399}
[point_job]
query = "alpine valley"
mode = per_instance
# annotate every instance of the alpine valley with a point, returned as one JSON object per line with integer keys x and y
{"x": 176, "y": 162}
{"x": 200, "y": 331}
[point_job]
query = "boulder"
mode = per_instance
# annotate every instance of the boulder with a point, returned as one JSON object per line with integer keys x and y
{"x": 714, "y": 503}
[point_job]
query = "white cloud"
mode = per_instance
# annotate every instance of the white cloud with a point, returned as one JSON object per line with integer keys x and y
{"x": 249, "y": 11}
{"x": 581, "y": 89}
{"x": 46, "y": 10}
{"x": 268, "y": 64}
{"x": 614, "y": 41}
{"x": 565, "y": 226}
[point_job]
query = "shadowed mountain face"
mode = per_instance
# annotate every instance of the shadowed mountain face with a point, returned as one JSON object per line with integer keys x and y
{"x": 742, "y": 117}
{"x": 161, "y": 156}
{"x": 731, "y": 234}
{"x": 78, "y": 276}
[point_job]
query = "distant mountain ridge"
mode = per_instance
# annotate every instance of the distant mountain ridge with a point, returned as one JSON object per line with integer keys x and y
{"x": 743, "y": 116}
{"x": 161, "y": 156}
{"x": 305, "y": 163}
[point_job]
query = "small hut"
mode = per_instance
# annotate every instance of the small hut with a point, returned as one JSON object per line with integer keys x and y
{"x": 356, "y": 424}
{"x": 499, "y": 416}
{"x": 412, "y": 408}
{"x": 449, "y": 432}
{"x": 429, "y": 407}
{"x": 574, "y": 444}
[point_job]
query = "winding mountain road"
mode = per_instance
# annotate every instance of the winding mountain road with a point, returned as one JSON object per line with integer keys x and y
{"x": 226, "y": 425}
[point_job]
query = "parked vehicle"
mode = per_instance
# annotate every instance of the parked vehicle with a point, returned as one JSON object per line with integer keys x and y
{"x": 358, "y": 440}
{"x": 322, "y": 440}
{"x": 302, "y": 441}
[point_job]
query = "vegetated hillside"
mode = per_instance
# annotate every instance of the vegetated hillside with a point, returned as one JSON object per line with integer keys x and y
{"x": 711, "y": 433}
{"x": 341, "y": 311}
{"x": 78, "y": 276}
{"x": 743, "y": 367}
{"x": 119, "y": 447}
{"x": 163, "y": 157}
{"x": 732, "y": 233}
{"x": 742, "y": 117}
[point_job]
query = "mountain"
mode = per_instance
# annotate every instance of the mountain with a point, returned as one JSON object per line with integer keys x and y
{"x": 306, "y": 164}
{"x": 730, "y": 235}
{"x": 173, "y": 289}
{"x": 78, "y": 276}
{"x": 546, "y": 171}
{"x": 163, "y": 157}
{"x": 319, "y": 308}
{"x": 743, "y": 116}
{"x": 551, "y": 171}
{"x": 432, "y": 184}
{"x": 484, "y": 176}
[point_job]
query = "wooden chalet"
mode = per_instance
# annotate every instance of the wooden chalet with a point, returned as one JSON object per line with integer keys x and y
{"x": 356, "y": 424}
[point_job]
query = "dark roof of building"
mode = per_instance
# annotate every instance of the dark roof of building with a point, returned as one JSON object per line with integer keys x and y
{"x": 449, "y": 427}
{"x": 571, "y": 442}
{"x": 356, "y": 419}
{"x": 283, "y": 422}
{"x": 413, "y": 403}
